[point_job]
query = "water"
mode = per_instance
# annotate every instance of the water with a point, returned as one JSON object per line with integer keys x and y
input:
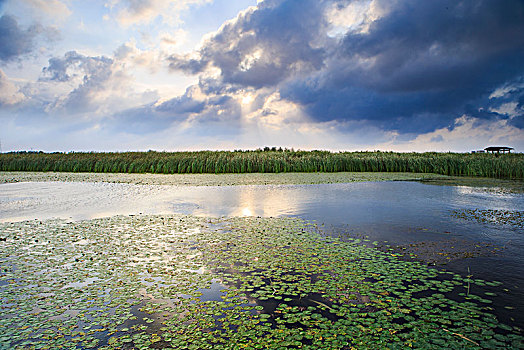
{"x": 397, "y": 212}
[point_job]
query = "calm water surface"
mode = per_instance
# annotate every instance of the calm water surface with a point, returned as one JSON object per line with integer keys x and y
{"x": 397, "y": 212}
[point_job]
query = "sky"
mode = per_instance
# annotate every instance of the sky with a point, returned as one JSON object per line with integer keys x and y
{"x": 340, "y": 75}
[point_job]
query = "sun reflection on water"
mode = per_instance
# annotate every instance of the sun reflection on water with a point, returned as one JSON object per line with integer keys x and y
{"x": 247, "y": 212}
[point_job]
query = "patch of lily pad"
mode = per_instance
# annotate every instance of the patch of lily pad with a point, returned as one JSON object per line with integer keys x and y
{"x": 184, "y": 282}
{"x": 215, "y": 179}
{"x": 513, "y": 218}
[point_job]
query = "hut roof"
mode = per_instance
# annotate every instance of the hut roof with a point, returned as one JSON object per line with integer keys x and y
{"x": 498, "y": 148}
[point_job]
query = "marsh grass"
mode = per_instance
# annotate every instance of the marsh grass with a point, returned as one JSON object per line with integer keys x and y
{"x": 221, "y": 162}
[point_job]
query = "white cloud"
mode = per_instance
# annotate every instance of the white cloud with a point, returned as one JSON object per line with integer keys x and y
{"x": 54, "y": 10}
{"x": 97, "y": 85}
{"x": 467, "y": 134}
{"x": 510, "y": 109}
{"x": 130, "y": 12}
{"x": 505, "y": 89}
{"x": 130, "y": 55}
{"x": 173, "y": 40}
{"x": 357, "y": 16}
{"x": 52, "y": 7}
{"x": 9, "y": 93}
{"x": 269, "y": 110}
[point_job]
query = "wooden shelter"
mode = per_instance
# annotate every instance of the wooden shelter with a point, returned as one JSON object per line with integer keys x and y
{"x": 498, "y": 149}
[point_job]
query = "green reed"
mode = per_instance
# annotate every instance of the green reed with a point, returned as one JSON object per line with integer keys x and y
{"x": 272, "y": 161}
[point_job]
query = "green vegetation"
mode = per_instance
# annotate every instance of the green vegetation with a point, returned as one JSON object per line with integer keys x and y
{"x": 184, "y": 282}
{"x": 269, "y": 161}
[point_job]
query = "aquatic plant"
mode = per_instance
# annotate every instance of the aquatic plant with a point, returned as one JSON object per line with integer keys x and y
{"x": 215, "y": 179}
{"x": 188, "y": 282}
{"x": 513, "y": 218}
{"x": 219, "y": 162}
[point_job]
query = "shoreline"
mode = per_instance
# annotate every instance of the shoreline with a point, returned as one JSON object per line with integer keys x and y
{"x": 216, "y": 179}
{"x": 502, "y": 186}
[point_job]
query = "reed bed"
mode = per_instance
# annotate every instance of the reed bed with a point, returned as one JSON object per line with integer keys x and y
{"x": 509, "y": 166}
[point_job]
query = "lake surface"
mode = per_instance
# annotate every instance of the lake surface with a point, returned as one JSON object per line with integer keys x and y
{"x": 400, "y": 213}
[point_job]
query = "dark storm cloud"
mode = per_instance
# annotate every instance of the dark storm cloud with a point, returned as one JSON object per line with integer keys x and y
{"x": 417, "y": 68}
{"x": 441, "y": 44}
{"x": 14, "y": 40}
{"x": 187, "y": 64}
{"x": 263, "y": 47}
{"x": 421, "y": 66}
